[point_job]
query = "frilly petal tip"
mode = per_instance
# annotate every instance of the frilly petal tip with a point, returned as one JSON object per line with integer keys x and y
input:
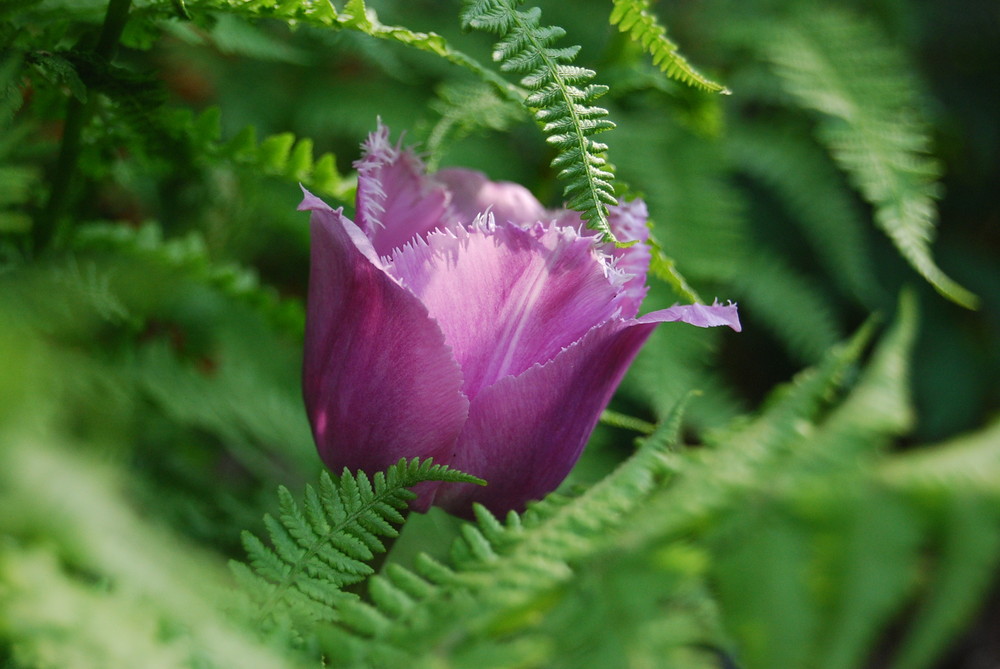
{"x": 311, "y": 202}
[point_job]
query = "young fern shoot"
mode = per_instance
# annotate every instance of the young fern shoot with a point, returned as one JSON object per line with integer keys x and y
{"x": 561, "y": 98}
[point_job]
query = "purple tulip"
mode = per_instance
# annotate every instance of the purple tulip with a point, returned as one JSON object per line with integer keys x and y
{"x": 459, "y": 319}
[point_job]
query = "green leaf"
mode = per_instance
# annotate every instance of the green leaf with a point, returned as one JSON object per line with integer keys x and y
{"x": 318, "y": 549}
{"x": 838, "y": 64}
{"x": 636, "y": 18}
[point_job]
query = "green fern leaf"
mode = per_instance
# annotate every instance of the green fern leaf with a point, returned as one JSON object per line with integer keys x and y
{"x": 637, "y": 19}
{"x": 836, "y": 63}
{"x": 799, "y": 172}
{"x": 320, "y": 547}
{"x": 497, "y": 567}
{"x": 563, "y": 109}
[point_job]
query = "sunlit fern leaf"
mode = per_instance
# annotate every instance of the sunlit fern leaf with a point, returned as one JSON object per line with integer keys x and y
{"x": 320, "y": 547}
{"x": 355, "y": 15}
{"x": 837, "y": 63}
{"x": 636, "y": 18}
{"x": 561, "y": 96}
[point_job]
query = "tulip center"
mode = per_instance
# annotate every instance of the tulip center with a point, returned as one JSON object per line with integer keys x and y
{"x": 507, "y": 298}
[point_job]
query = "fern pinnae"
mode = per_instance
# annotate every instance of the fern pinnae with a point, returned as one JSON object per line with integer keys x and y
{"x": 324, "y": 545}
{"x": 564, "y": 110}
{"x": 637, "y": 19}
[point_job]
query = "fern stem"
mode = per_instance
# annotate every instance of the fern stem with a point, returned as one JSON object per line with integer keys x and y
{"x": 600, "y": 209}
{"x": 50, "y": 223}
{"x": 626, "y": 422}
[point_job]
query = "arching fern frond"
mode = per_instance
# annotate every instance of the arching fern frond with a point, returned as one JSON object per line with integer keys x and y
{"x": 325, "y": 544}
{"x": 561, "y": 97}
{"x": 637, "y": 19}
{"x": 836, "y": 63}
{"x": 357, "y": 16}
{"x": 798, "y": 171}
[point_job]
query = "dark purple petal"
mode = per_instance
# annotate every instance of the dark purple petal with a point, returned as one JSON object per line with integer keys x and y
{"x": 702, "y": 315}
{"x": 473, "y": 194}
{"x": 525, "y": 433}
{"x": 506, "y": 297}
{"x": 379, "y": 381}
{"x": 396, "y": 200}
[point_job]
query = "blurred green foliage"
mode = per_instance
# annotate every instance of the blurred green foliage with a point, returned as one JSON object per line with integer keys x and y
{"x": 825, "y": 499}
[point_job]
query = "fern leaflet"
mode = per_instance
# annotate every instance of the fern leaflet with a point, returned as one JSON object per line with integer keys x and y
{"x": 564, "y": 109}
{"x": 637, "y": 19}
{"x": 837, "y": 64}
{"x": 324, "y": 545}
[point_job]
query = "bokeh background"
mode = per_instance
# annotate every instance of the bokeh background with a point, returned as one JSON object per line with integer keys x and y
{"x": 152, "y": 305}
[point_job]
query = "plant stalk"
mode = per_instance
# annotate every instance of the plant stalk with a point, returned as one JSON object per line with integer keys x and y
{"x": 51, "y": 222}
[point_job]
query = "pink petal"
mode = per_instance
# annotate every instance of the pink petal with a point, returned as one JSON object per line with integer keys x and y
{"x": 505, "y": 297}
{"x": 525, "y": 433}
{"x": 472, "y": 194}
{"x": 628, "y": 222}
{"x": 396, "y": 200}
{"x": 704, "y": 316}
{"x": 378, "y": 379}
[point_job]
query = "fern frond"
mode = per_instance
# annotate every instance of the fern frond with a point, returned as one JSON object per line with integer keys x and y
{"x": 498, "y": 567}
{"x": 838, "y": 64}
{"x": 563, "y": 108}
{"x": 320, "y": 547}
{"x": 798, "y": 171}
{"x": 356, "y": 16}
{"x": 636, "y": 18}
{"x": 971, "y": 543}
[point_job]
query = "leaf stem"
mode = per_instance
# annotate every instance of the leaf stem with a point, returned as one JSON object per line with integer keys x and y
{"x": 51, "y": 221}
{"x": 600, "y": 210}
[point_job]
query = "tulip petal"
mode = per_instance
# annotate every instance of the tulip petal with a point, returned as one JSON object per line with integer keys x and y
{"x": 506, "y": 297}
{"x": 701, "y": 315}
{"x": 472, "y": 194}
{"x": 525, "y": 433}
{"x": 396, "y": 200}
{"x": 628, "y": 223}
{"x": 378, "y": 378}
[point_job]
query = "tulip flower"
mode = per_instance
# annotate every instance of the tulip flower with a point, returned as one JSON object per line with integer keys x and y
{"x": 457, "y": 318}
